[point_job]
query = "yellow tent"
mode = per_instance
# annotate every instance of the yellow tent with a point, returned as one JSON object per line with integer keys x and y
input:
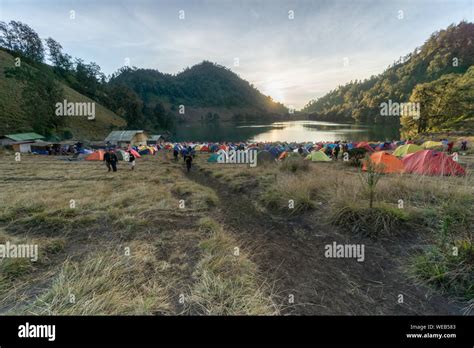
{"x": 432, "y": 144}
{"x": 404, "y": 150}
{"x": 318, "y": 156}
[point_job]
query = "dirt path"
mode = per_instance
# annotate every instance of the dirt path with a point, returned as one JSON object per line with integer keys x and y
{"x": 291, "y": 253}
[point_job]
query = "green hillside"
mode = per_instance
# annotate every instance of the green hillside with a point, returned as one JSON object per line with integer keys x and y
{"x": 446, "y": 56}
{"x": 14, "y": 118}
{"x": 203, "y": 89}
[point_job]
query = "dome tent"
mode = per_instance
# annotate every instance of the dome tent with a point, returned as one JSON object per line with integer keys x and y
{"x": 406, "y": 149}
{"x": 385, "y": 163}
{"x": 430, "y": 162}
{"x": 318, "y": 156}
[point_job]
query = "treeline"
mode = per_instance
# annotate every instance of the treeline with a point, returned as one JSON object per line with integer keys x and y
{"x": 42, "y": 83}
{"x": 435, "y": 75}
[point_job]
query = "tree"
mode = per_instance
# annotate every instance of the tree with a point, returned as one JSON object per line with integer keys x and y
{"x": 62, "y": 62}
{"x": 19, "y": 37}
{"x": 41, "y": 92}
{"x": 373, "y": 173}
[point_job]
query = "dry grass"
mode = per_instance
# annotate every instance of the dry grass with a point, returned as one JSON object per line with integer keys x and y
{"x": 81, "y": 247}
{"x": 441, "y": 208}
{"x": 108, "y": 282}
{"x": 227, "y": 281}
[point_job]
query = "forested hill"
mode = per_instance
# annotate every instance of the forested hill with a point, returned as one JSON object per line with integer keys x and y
{"x": 436, "y": 75}
{"x": 35, "y": 74}
{"x": 205, "y": 86}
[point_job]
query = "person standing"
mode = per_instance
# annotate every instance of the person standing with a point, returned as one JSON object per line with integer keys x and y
{"x": 336, "y": 151}
{"x": 131, "y": 160}
{"x": 111, "y": 160}
{"x": 188, "y": 159}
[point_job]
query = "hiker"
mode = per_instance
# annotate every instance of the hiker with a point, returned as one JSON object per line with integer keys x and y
{"x": 131, "y": 160}
{"x": 111, "y": 160}
{"x": 188, "y": 159}
{"x": 450, "y": 147}
{"x": 175, "y": 154}
{"x": 464, "y": 145}
{"x": 336, "y": 152}
{"x": 300, "y": 150}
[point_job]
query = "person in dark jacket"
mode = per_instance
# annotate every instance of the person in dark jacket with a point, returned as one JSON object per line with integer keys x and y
{"x": 188, "y": 159}
{"x": 175, "y": 154}
{"x": 111, "y": 160}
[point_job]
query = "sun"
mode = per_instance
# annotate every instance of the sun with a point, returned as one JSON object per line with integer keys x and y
{"x": 275, "y": 90}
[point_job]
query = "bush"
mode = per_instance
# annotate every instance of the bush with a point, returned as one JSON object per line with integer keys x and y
{"x": 441, "y": 267}
{"x": 357, "y": 218}
{"x": 294, "y": 164}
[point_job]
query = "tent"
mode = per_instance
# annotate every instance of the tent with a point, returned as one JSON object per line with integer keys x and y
{"x": 288, "y": 154}
{"x": 122, "y": 155}
{"x": 430, "y": 162}
{"x": 213, "y": 157}
{"x": 133, "y": 152}
{"x": 283, "y": 155}
{"x": 364, "y": 145}
{"x": 274, "y": 151}
{"x": 383, "y": 146}
{"x": 318, "y": 156}
{"x": 204, "y": 148}
{"x": 406, "y": 149}
{"x": 265, "y": 156}
{"x": 96, "y": 156}
{"x": 432, "y": 144}
{"x": 385, "y": 163}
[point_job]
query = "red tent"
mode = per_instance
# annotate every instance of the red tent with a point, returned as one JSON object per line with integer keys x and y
{"x": 365, "y": 145}
{"x": 133, "y": 152}
{"x": 430, "y": 162}
{"x": 204, "y": 148}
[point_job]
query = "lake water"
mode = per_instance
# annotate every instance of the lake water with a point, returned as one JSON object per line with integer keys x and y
{"x": 290, "y": 131}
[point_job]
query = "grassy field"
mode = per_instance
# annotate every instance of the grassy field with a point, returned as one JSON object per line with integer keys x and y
{"x": 223, "y": 239}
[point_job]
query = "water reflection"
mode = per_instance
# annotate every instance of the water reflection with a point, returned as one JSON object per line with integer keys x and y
{"x": 297, "y": 131}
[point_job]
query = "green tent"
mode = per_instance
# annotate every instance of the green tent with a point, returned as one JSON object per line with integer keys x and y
{"x": 406, "y": 149}
{"x": 122, "y": 155}
{"x": 318, "y": 156}
{"x": 213, "y": 157}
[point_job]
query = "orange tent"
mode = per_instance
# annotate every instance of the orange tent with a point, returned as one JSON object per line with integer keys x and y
{"x": 283, "y": 155}
{"x": 96, "y": 156}
{"x": 385, "y": 163}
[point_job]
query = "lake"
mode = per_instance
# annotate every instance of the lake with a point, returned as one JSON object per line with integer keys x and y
{"x": 290, "y": 131}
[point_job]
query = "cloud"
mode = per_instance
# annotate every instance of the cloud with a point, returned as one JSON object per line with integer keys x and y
{"x": 298, "y": 59}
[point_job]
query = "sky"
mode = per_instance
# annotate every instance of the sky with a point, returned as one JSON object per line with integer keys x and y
{"x": 293, "y": 51}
